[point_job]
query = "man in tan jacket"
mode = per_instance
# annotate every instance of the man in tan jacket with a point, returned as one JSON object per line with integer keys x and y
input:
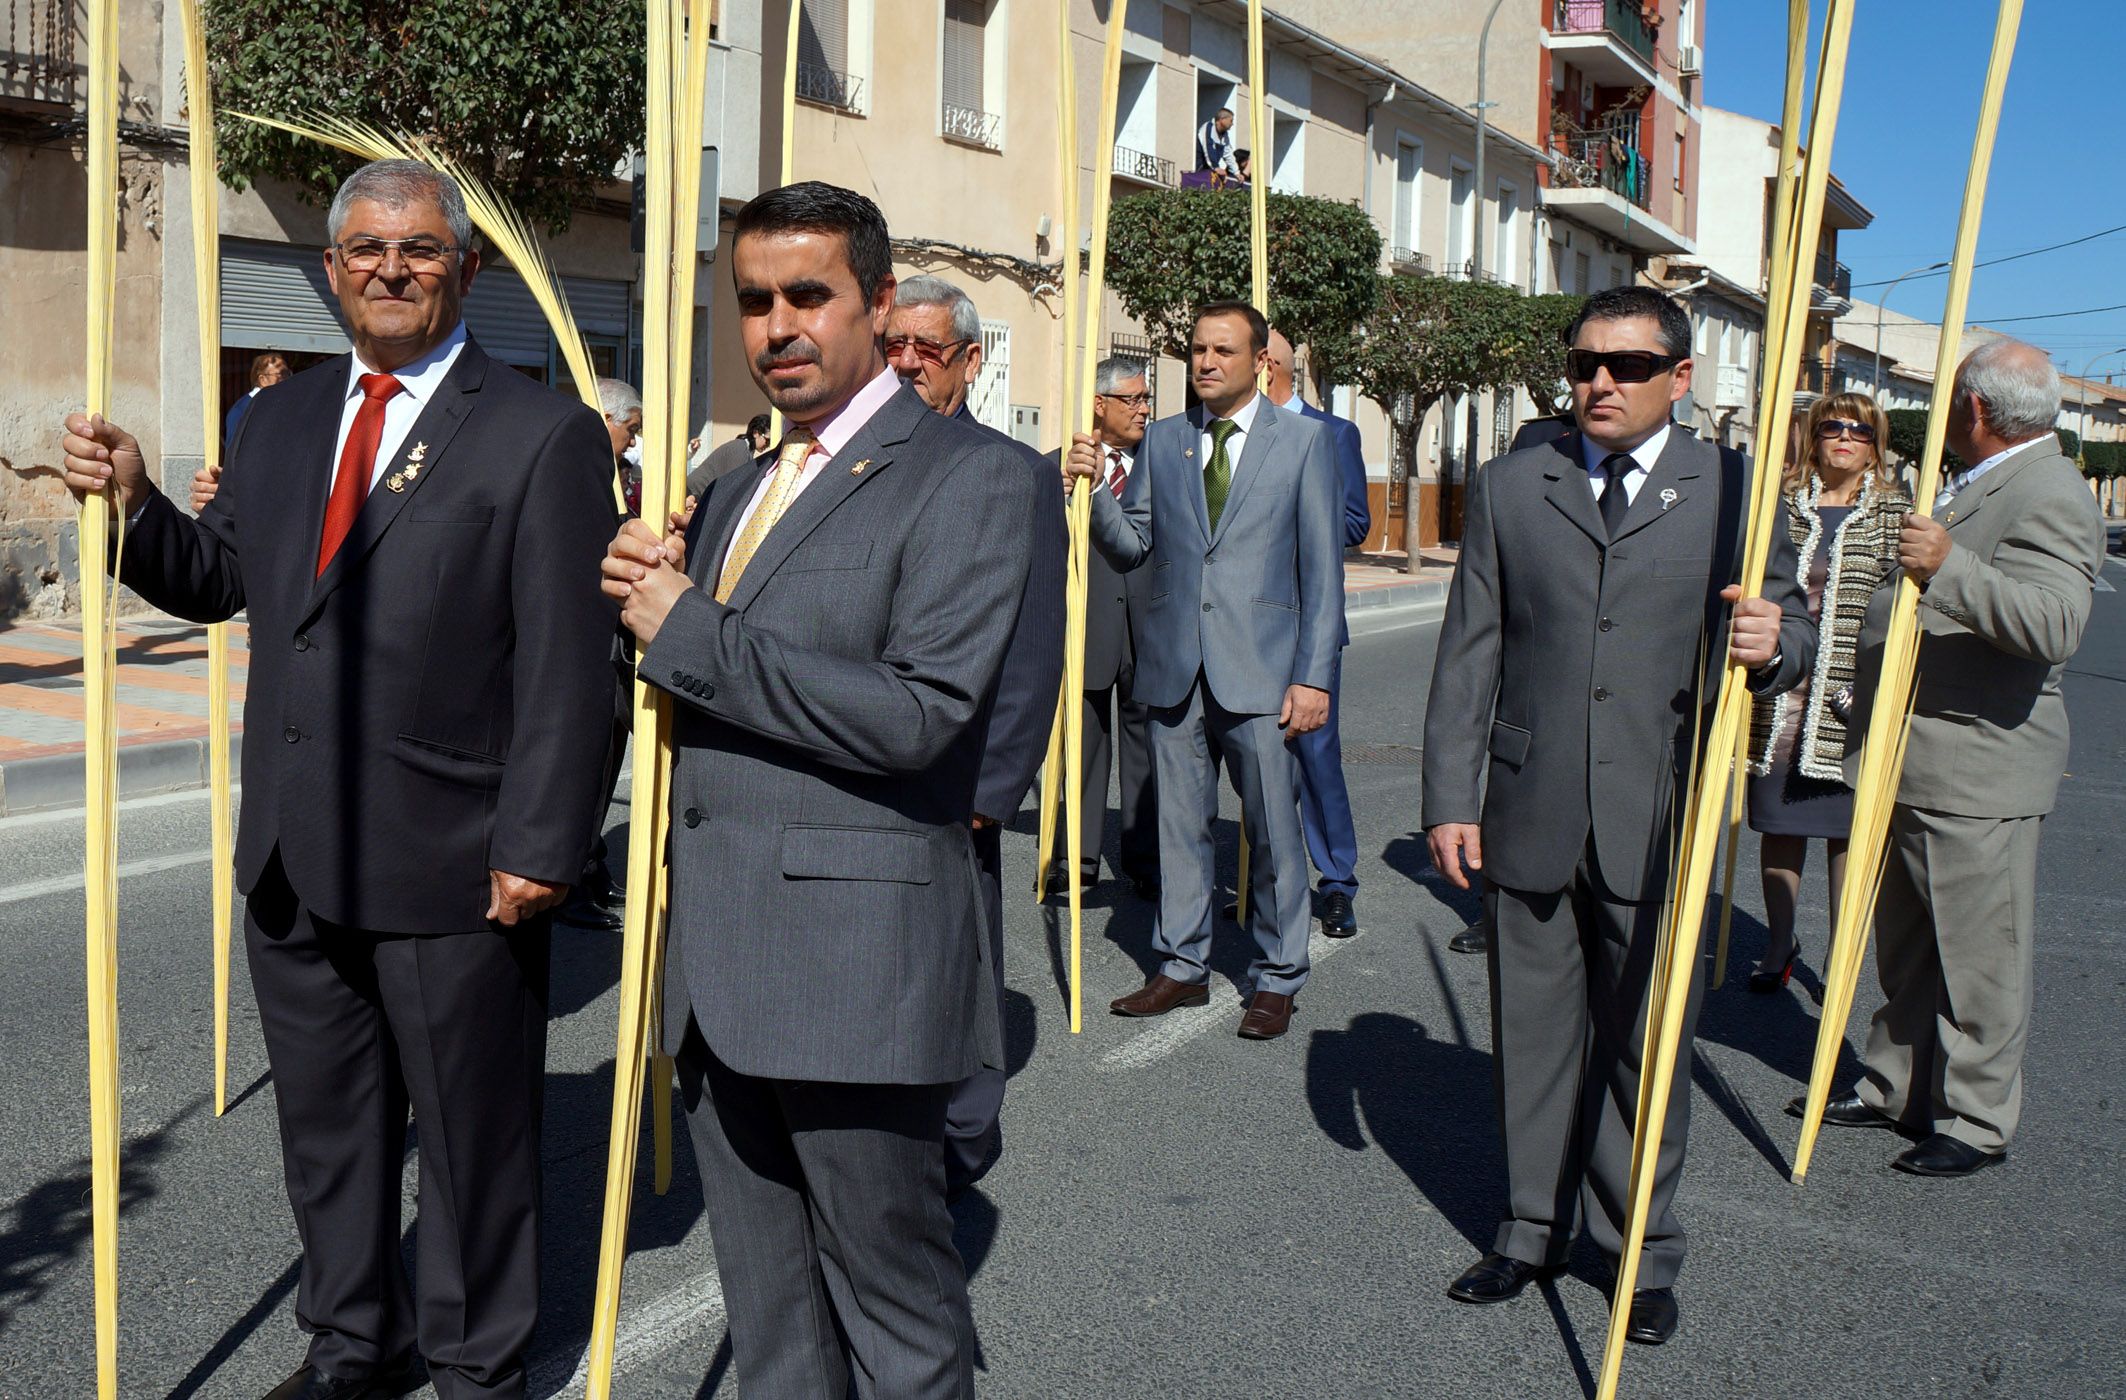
{"x": 2005, "y": 569}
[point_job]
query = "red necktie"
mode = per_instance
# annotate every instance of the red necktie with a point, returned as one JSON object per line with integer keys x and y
{"x": 351, "y": 486}
{"x": 1116, "y": 476}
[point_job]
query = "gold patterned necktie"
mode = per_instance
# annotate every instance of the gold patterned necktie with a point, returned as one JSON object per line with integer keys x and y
{"x": 782, "y": 489}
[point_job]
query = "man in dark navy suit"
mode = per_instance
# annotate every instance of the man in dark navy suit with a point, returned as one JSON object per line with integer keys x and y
{"x": 934, "y": 342}
{"x": 1324, "y": 801}
{"x": 414, "y": 533}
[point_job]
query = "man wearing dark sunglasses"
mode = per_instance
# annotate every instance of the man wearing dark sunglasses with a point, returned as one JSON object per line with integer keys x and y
{"x": 1587, "y": 621}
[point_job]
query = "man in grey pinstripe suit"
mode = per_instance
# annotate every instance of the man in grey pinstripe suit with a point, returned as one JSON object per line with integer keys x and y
{"x": 831, "y": 633}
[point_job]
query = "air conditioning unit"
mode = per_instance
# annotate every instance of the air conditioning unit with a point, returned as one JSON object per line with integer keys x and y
{"x": 1689, "y": 60}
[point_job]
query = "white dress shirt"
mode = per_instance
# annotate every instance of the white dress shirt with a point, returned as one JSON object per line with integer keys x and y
{"x": 830, "y": 435}
{"x": 1963, "y": 479}
{"x": 418, "y": 383}
{"x": 1643, "y": 458}
{"x": 1108, "y": 455}
{"x": 1244, "y": 420}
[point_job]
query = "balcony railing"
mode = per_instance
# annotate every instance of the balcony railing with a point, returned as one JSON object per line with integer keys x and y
{"x": 842, "y": 91}
{"x": 974, "y": 128}
{"x": 1818, "y": 379}
{"x": 1732, "y": 388}
{"x": 1466, "y": 272}
{"x": 1594, "y": 161}
{"x": 37, "y": 67}
{"x": 1141, "y": 165}
{"x": 1410, "y": 260}
{"x": 1834, "y": 277}
{"x": 1622, "y": 20}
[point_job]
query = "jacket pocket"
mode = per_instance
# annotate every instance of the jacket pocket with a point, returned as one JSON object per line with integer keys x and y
{"x": 449, "y": 762}
{"x": 1509, "y": 743}
{"x": 821, "y": 559}
{"x": 452, "y": 513}
{"x": 855, "y": 853}
{"x": 1278, "y": 603}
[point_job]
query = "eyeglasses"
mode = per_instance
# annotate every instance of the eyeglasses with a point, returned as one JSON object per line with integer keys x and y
{"x": 1128, "y": 400}
{"x": 1838, "y": 427}
{"x": 419, "y": 254}
{"x": 1624, "y": 366}
{"x": 929, "y": 352}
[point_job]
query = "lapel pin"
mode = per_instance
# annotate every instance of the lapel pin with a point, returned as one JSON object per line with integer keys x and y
{"x": 410, "y": 470}
{"x": 395, "y": 482}
{"x": 1189, "y": 452}
{"x": 420, "y": 450}
{"x": 858, "y": 469}
{"x": 1668, "y": 497}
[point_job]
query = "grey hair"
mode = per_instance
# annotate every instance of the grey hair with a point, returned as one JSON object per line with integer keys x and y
{"x": 396, "y": 184}
{"x": 618, "y": 398}
{"x": 1109, "y": 375}
{"x": 936, "y": 291}
{"x": 2016, "y": 386}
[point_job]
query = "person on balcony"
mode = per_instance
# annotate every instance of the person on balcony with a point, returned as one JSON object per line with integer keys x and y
{"x": 1214, "y": 147}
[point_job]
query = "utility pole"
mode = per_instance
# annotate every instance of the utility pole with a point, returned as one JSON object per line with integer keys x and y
{"x": 1476, "y": 240}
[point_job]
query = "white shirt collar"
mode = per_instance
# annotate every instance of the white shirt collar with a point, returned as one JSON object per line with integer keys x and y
{"x": 1968, "y": 475}
{"x": 1643, "y": 456}
{"x": 418, "y": 379}
{"x": 1244, "y": 420}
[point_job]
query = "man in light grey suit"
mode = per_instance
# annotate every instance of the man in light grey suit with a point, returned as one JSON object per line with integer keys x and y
{"x": 831, "y": 650}
{"x": 1587, "y": 614}
{"x": 1236, "y": 510}
{"x": 2006, "y": 570}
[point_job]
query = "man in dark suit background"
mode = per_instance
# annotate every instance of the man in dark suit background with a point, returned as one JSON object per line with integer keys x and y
{"x": 934, "y": 343}
{"x": 831, "y": 631}
{"x": 1324, "y": 800}
{"x": 412, "y": 531}
{"x": 1594, "y": 573}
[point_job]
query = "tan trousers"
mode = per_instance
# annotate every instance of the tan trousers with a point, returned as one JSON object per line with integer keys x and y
{"x": 1953, "y": 934}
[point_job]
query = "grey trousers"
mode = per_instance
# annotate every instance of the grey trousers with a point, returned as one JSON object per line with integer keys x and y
{"x": 1570, "y": 973}
{"x": 1953, "y": 932}
{"x": 1187, "y": 741}
{"x": 827, "y": 1206}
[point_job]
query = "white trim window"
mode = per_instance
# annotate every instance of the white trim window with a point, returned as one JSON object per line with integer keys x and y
{"x": 1506, "y": 247}
{"x": 971, "y": 73}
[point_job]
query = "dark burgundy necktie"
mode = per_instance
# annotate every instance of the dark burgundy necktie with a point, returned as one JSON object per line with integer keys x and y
{"x": 1117, "y": 478}
{"x": 351, "y": 486}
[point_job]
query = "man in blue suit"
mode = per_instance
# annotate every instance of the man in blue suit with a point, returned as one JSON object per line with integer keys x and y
{"x": 1324, "y": 802}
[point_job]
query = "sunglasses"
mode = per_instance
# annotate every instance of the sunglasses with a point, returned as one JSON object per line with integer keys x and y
{"x": 1838, "y": 427}
{"x": 1624, "y": 366}
{"x": 929, "y": 352}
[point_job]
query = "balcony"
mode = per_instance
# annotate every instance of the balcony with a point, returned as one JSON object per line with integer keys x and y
{"x": 1832, "y": 292}
{"x": 824, "y": 87}
{"x": 1594, "y": 160}
{"x": 1144, "y": 167}
{"x": 1409, "y": 260}
{"x": 1608, "y": 40}
{"x": 1466, "y": 272}
{"x": 1602, "y": 181}
{"x": 1731, "y": 387}
{"x": 972, "y": 128}
{"x": 1816, "y": 380}
{"x": 37, "y": 70}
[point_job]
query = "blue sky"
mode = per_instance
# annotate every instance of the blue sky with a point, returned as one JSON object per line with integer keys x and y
{"x": 1904, "y": 140}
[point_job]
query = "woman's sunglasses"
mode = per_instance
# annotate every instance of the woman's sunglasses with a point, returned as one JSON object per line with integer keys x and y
{"x": 1838, "y": 427}
{"x": 1624, "y": 366}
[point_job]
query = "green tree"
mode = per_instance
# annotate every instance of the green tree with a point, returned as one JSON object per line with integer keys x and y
{"x": 1908, "y": 438}
{"x": 541, "y": 98}
{"x": 1170, "y": 250}
{"x": 1540, "y": 367}
{"x": 2070, "y": 444}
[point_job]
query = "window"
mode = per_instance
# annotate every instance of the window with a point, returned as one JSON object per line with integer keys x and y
{"x": 1288, "y": 149}
{"x": 1460, "y": 221}
{"x": 826, "y": 41}
{"x": 989, "y": 397}
{"x": 1507, "y": 264}
{"x": 1582, "y": 275}
{"x": 1681, "y": 164}
{"x": 1402, "y": 236}
{"x": 971, "y": 112}
{"x": 1137, "y": 124}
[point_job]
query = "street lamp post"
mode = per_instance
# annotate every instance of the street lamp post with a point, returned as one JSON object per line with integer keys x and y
{"x": 1476, "y": 242}
{"x": 1884, "y": 301}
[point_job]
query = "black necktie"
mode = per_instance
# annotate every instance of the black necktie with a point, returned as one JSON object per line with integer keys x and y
{"x": 1614, "y": 501}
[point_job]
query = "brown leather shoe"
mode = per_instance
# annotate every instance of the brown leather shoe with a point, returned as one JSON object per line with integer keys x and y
{"x": 1269, "y": 1016}
{"x": 1159, "y": 996}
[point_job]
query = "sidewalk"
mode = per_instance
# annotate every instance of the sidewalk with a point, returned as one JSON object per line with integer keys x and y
{"x": 162, "y": 693}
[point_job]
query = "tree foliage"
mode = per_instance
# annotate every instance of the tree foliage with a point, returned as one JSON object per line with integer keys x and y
{"x": 541, "y": 98}
{"x": 1541, "y": 365}
{"x": 1428, "y": 338}
{"x": 1908, "y": 438}
{"x": 1170, "y": 250}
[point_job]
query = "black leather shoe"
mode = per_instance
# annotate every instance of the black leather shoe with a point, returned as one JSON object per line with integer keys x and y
{"x": 1942, "y": 1155}
{"x": 1653, "y": 1316}
{"x": 309, "y": 1383}
{"x": 1495, "y": 1278}
{"x": 1845, "y": 1111}
{"x": 592, "y": 916}
{"x": 1474, "y": 939}
{"x": 1337, "y": 920}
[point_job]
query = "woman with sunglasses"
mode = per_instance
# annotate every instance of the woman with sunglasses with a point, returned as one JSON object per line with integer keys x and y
{"x": 1844, "y": 510}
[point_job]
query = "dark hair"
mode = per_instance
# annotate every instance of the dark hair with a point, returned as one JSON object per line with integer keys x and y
{"x": 1629, "y": 303}
{"x": 1258, "y": 327}
{"x": 757, "y": 425}
{"x": 813, "y": 206}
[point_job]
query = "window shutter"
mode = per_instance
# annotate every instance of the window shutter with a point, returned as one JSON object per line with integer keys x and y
{"x": 964, "y": 24}
{"x": 823, "y": 35}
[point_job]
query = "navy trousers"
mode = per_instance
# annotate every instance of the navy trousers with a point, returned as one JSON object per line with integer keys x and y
{"x": 1325, "y": 803}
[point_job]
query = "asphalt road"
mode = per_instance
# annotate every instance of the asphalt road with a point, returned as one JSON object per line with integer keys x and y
{"x": 1179, "y": 1213}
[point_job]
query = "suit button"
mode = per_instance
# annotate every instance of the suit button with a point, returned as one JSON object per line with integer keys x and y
{"x": 1207, "y": 607}
{"x": 1210, "y": 558}
{"x": 706, "y": 691}
{"x": 1607, "y": 624}
{"x": 291, "y": 734}
{"x": 692, "y": 817}
{"x": 302, "y": 643}
{"x": 1601, "y": 693}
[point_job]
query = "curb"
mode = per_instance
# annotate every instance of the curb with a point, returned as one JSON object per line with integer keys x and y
{"x": 57, "y": 780}
{"x": 1415, "y": 591}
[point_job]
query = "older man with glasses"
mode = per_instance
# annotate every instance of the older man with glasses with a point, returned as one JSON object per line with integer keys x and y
{"x": 1594, "y": 597}
{"x": 413, "y": 533}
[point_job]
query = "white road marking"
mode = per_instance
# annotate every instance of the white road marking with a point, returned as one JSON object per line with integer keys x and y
{"x": 61, "y": 884}
{"x": 1177, "y": 1028}
{"x": 644, "y": 1334}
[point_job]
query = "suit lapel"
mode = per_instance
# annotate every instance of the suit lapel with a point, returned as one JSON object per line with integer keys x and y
{"x": 437, "y": 424}
{"x": 1960, "y": 507}
{"x": 1667, "y": 486}
{"x": 316, "y": 458}
{"x": 720, "y": 509}
{"x": 1569, "y": 490}
{"x": 1255, "y": 452}
{"x": 1188, "y": 471}
{"x": 873, "y": 447}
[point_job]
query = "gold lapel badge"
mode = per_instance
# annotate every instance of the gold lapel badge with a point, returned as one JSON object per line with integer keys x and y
{"x": 420, "y": 450}
{"x": 858, "y": 469}
{"x": 395, "y": 482}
